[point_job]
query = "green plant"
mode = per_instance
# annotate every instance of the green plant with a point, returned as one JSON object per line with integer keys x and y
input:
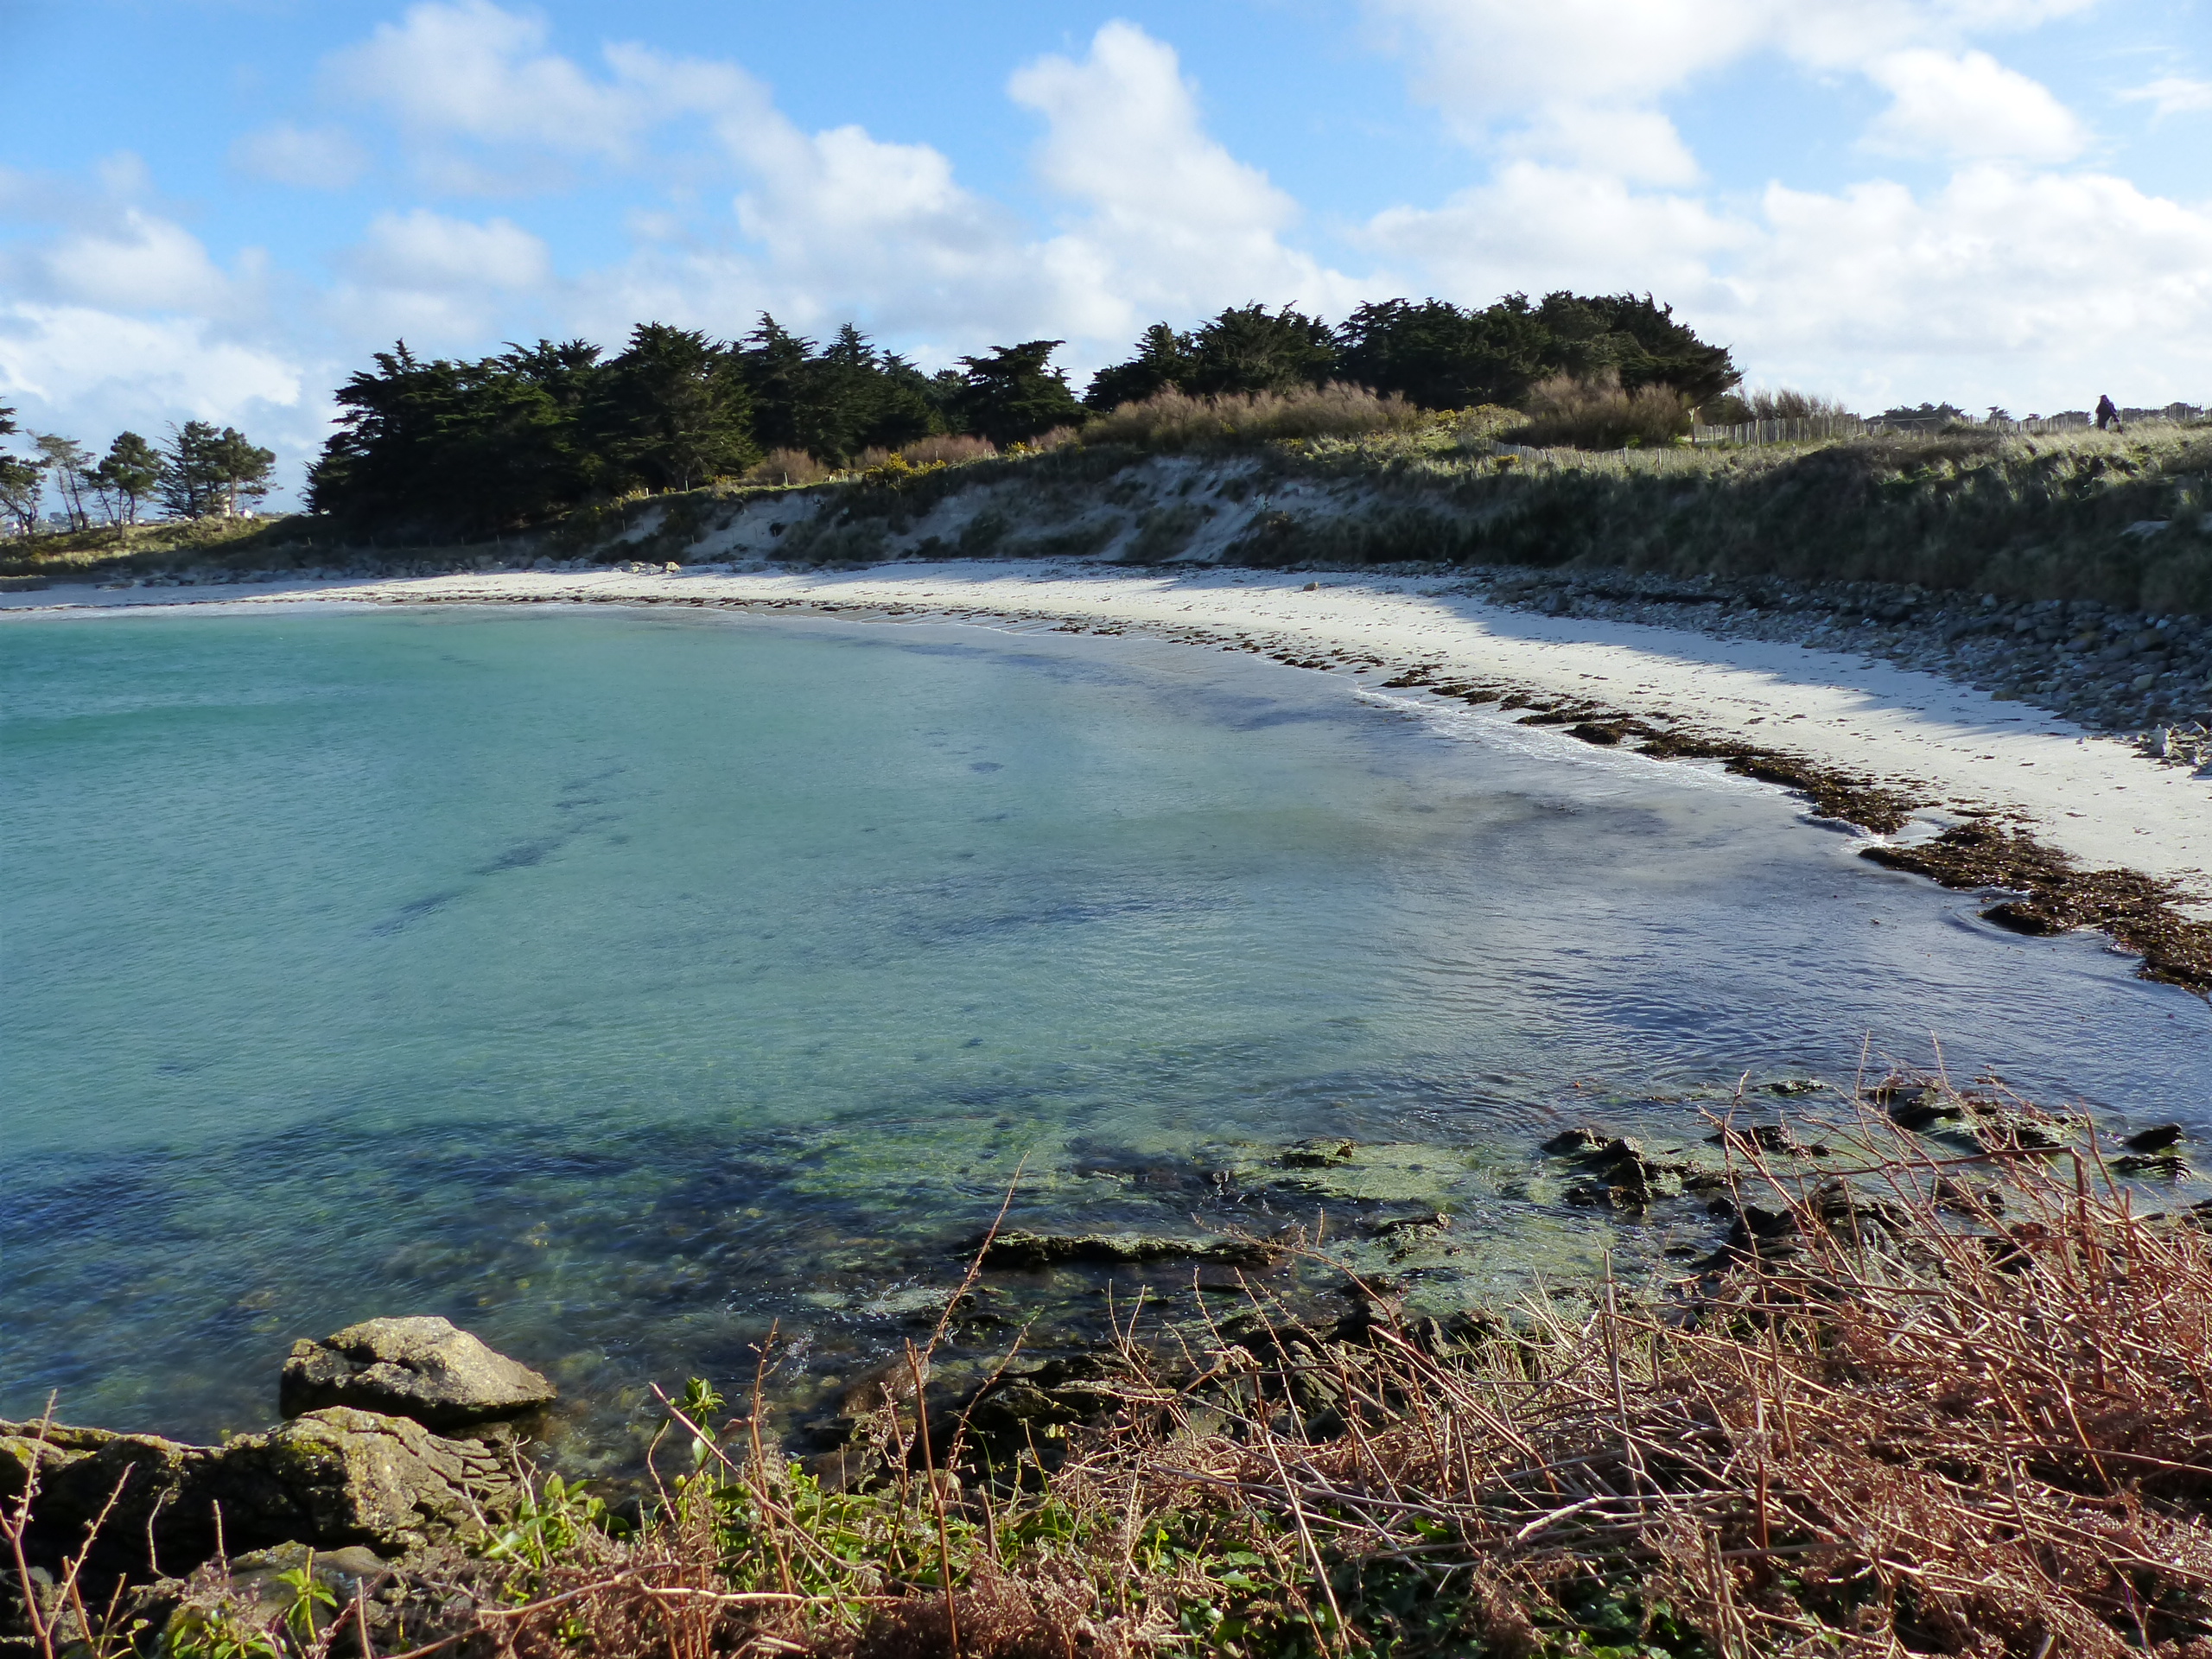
{"x": 224, "y": 1631}
{"x": 309, "y": 1593}
{"x": 548, "y": 1522}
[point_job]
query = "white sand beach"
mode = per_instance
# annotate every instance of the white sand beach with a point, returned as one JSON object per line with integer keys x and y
{"x": 2095, "y": 796}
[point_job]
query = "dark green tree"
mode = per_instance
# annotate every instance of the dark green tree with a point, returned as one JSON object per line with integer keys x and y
{"x": 66, "y": 461}
{"x": 467, "y": 447}
{"x": 130, "y": 472}
{"x": 244, "y": 472}
{"x": 835, "y": 402}
{"x": 1434, "y": 354}
{"x": 674, "y": 410}
{"x": 1164, "y": 359}
{"x": 191, "y": 486}
{"x": 777, "y": 366}
{"x": 1636, "y": 339}
{"x": 206, "y": 472}
{"x": 1014, "y": 393}
{"x": 1246, "y": 349}
{"x": 22, "y": 481}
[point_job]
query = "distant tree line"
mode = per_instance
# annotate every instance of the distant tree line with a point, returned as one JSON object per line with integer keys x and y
{"x": 505, "y": 439}
{"x": 1429, "y": 352}
{"x": 199, "y": 472}
{"x": 473, "y": 446}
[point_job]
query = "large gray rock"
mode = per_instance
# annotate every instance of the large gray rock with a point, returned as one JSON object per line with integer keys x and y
{"x": 332, "y": 1479}
{"x": 340, "y": 1477}
{"x": 422, "y": 1368}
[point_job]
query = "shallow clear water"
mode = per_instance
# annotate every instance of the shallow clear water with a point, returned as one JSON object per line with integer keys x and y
{"x": 615, "y": 982}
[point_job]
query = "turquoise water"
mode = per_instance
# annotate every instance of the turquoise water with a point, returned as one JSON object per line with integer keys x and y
{"x": 615, "y": 982}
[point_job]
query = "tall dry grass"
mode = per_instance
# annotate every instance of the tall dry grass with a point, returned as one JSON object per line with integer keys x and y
{"x": 948, "y": 449}
{"x": 1599, "y": 414}
{"x": 1176, "y": 420}
{"x": 786, "y": 467}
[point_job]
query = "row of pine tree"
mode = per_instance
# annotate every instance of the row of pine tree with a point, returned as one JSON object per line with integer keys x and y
{"x": 473, "y": 447}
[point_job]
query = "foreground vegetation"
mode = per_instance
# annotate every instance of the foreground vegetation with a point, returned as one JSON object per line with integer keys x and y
{"x": 1939, "y": 1396}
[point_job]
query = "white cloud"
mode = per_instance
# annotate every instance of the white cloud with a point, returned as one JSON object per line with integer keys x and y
{"x": 1533, "y": 228}
{"x": 1970, "y": 106}
{"x": 2173, "y": 95}
{"x": 137, "y": 262}
{"x": 470, "y": 68}
{"x": 1171, "y": 224}
{"x": 312, "y": 158}
{"x": 428, "y": 250}
{"x": 2007, "y": 284}
{"x": 1581, "y": 81}
{"x": 441, "y": 283}
{"x": 2010, "y": 282}
{"x": 2000, "y": 277}
{"x": 1164, "y": 222}
{"x": 2002, "y": 286}
{"x": 91, "y": 373}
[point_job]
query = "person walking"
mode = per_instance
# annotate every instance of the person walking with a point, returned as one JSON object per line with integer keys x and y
{"x": 2107, "y": 415}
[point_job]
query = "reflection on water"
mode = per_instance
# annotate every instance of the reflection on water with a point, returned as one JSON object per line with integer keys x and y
{"x": 613, "y": 983}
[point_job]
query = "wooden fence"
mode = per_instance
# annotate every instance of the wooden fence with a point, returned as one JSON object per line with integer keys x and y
{"x": 1814, "y": 429}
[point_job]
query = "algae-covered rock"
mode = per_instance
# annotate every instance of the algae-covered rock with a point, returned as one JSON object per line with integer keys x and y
{"x": 50, "y": 1447}
{"x": 81, "y": 1470}
{"x": 422, "y": 1368}
{"x": 338, "y": 1476}
{"x": 332, "y": 1478}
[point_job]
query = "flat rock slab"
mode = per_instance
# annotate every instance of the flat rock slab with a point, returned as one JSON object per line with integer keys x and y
{"x": 426, "y": 1369}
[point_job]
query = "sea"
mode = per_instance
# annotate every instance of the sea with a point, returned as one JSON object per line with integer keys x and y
{"x": 628, "y": 987}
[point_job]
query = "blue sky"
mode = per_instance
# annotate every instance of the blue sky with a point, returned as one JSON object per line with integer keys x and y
{"x": 219, "y": 208}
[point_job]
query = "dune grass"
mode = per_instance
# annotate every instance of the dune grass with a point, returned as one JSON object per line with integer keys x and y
{"x": 164, "y": 543}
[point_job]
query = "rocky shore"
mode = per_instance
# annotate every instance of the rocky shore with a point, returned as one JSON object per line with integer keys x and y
{"x": 1894, "y": 1276}
{"x": 2104, "y": 669}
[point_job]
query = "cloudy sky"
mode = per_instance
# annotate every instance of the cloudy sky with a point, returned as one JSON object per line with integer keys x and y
{"x": 219, "y": 208}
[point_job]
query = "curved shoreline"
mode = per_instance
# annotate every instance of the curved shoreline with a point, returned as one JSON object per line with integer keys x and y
{"x": 1896, "y": 751}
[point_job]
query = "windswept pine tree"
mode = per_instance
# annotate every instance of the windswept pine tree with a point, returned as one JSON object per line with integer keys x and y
{"x": 127, "y": 475}
{"x": 835, "y": 402}
{"x": 206, "y": 472}
{"x": 673, "y": 410}
{"x": 22, "y": 482}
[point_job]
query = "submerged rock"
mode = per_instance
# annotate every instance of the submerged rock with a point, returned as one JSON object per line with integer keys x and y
{"x": 1020, "y": 1249}
{"x": 424, "y": 1367}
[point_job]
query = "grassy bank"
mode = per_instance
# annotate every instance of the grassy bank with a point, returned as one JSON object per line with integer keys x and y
{"x": 2062, "y": 517}
{"x": 2123, "y": 519}
{"x": 1943, "y": 1390}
